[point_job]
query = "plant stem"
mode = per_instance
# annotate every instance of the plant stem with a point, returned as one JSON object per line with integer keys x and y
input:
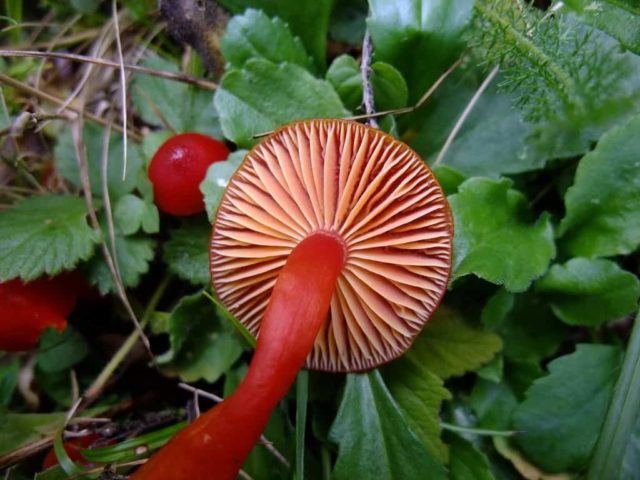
{"x": 622, "y": 416}
{"x": 302, "y": 393}
{"x": 477, "y": 431}
{"x": 94, "y": 391}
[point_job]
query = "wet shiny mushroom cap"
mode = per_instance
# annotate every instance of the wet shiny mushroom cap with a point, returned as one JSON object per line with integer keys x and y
{"x": 376, "y": 194}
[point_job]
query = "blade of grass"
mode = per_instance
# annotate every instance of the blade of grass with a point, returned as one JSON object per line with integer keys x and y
{"x": 302, "y": 395}
{"x": 623, "y": 413}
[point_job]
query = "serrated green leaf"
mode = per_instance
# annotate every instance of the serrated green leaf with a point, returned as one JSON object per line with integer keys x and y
{"x": 448, "y": 178}
{"x": 449, "y": 346}
{"x": 373, "y": 436}
{"x": 468, "y": 463}
{"x": 202, "y": 347}
{"x": 217, "y": 179}
{"x": 66, "y": 163}
{"x": 526, "y": 324}
{"x": 389, "y": 88}
{"x": 131, "y": 213}
{"x": 133, "y": 256}
{"x": 496, "y": 238}
{"x": 263, "y": 96}
{"x": 307, "y": 19}
{"x": 603, "y": 205}
{"x": 185, "y": 107}
{"x": 493, "y": 140}
{"x": 58, "y": 351}
{"x": 419, "y": 394}
{"x": 564, "y": 411}
{"x": 404, "y": 31}
{"x": 44, "y": 235}
{"x": 187, "y": 252}
{"x": 255, "y": 35}
{"x": 589, "y": 292}
{"x": 618, "y": 18}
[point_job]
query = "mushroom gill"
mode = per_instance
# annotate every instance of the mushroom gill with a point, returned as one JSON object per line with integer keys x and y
{"x": 371, "y": 190}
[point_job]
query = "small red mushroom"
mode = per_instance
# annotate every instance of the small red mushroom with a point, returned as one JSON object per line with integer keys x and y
{"x": 28, "y": 308}
{"x": 332, "y": 244}
{"x": 177, "y": 169}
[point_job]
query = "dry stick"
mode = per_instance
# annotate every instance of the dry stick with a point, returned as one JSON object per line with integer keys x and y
{"x": 420, "y": 102}
{"x": 465, "y": 113}
{"x": 178, "y": 77}
{"x": 78, "y": 142}
{"x": 263, "y": 440}
{"x": 367, "y": 89}
{"x": 52, "y": 45}
{"x": 58, "y": 101}
{"x": 101, "y": 380}
{"x": 70, "y": 40}
{"x": 123, "y": 86}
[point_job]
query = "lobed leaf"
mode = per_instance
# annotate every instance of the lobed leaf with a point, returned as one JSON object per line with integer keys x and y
{"x": 44, "y": 235}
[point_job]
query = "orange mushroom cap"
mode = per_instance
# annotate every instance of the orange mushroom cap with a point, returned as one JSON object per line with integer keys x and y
{"x": 362, "y": 185}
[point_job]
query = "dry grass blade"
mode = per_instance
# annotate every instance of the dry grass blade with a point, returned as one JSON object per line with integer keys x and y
{"x": 365, "y": 72}
{"x": 465, "y": 113}
{"x": 5, "y": 79}
{"x": 178, "y": 77}
{"x": 123, "y": 87}
{"x": 263, "y": 440}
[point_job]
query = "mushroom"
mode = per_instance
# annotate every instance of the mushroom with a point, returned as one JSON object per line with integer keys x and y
{"x": 332, "y": 244}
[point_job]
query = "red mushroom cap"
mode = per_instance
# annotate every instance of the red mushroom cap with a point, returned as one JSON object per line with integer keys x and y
{"x": 368, "y": 188}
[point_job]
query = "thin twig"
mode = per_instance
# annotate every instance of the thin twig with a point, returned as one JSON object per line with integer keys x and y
{"x": 367, "y": 88}
{"x": 176, "y": 76}
{"x": 58, "y": 101}
{"x": 263, "y": 440}
{"x": 465, "y": 113}
{"x": 78, "y": 141}
{"x": 123, "y": 87}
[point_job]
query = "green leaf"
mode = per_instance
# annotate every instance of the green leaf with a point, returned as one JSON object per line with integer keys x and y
{"x": 496, "y": 238}
{"x": 44, "y": 235}
{"x": 217, "y": 179}
{"x": 419, "y": 394}
{"x": 449, "y": 346}
{"x": 185, "y": 107}
{"x": 404, "y": 31}
{"x": 468, "y": 463}
{"x": 564, "y": 411}
{"x": 255, "y": 35}
{"x": 133, "y": 257}
{"x": 8, "y": 379}
{"x": 622, "y": 415}
{"x": 307, "y": 19}
{"x": 263, "y": 96}
{"x": 19, "y": 429}
{"x": 389, "y": 88}
{"x": 618, "y": 18}
{"x": 348, "y": 21}
{"x": 589, "y": 292}
{"x": 526, "y": 324}
{"x": 202, "y": 346}
{"x": 58, "y": 351}
{"x": 374, "y": 438}
{"x": 448, "y": 178}
{"x": 187, "y": 252}
{"x": 631, "y": 459}
{"x": 132, "y": 213}
{"x": 66, "y": 163}
{"x": 494, "y": 125}
{"x": 493, "y": 403}
{"x": 603, "y": 205}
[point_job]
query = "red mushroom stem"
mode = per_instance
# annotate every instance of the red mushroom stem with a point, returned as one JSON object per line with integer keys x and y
{"x": 215, "y": 446}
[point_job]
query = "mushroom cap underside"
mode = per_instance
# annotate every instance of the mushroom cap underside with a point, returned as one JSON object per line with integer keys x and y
{"x": 374, "y": 192}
